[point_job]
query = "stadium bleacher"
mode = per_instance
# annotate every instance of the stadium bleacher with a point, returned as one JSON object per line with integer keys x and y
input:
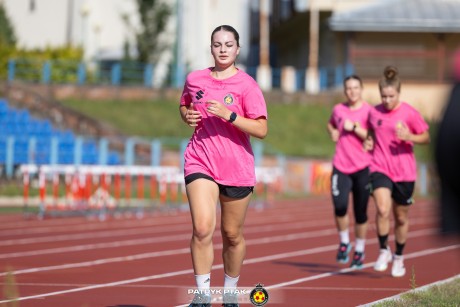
{"x": 33, "y": 141}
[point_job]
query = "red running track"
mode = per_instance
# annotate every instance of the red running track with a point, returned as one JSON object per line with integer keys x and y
{"x": 291, "y": 247}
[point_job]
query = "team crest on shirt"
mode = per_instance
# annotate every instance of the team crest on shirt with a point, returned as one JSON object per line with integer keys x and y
{"x": 228, "y": 99}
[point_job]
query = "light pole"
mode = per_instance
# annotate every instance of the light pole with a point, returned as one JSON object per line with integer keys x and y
{"x": 179, "y": 65}
{"x": 84, "y": 12}
{"x": 97, "y": 27}
{"x": 69, "y": 29}
{"x": 312, "y": 74}
{"x": 264, "y": 74}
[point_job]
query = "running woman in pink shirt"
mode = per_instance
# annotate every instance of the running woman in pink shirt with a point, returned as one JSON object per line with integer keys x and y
{"x": 347, "y": 127}
{"x": 226, "y": 107}
{"x": 395, "y": 127}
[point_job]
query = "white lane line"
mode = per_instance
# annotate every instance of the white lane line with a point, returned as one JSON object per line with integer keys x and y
{"x": 53, "y": 285}
{"x": 219, "y": 266}
{"x": 127, "y": 232}
{"x": 93, "y": 246}
{"x": 112, "y": 284}
{"x": 346, "y": 270}
{"x": 160, "y": 220}
{"x": 92, "y": 226}
{"x": 132, "y": 242}
{"x": 367, "y": 265}
{"x": 249, "y": 242}
{"x": 93, "y": 235}
{"x": 100, "y": 261}
{"x": 268, "y": 240}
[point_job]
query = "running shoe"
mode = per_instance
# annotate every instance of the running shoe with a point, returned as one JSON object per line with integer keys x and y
{"x": 357, "y": 261}
{"x": 398, "y": 269}
{"x": 384, "y": 258}
{"x": 230, "y": 300}
{"x": 342, "y": 253}
{"x": 201, "y": 300}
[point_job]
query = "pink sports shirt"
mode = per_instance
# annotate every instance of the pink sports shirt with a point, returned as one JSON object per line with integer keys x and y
{"x": 392, "y": 156}
{"x": 217, "y": 148}
{"x": 350, "y": 156}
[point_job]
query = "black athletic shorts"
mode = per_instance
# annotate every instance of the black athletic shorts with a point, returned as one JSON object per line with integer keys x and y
{"x": 401, "y": 191}
{"x": 227, "y": 190}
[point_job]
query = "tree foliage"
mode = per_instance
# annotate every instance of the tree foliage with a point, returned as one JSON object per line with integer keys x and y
{"x": 154, "y": 15}
{"x": 7, "y": 35}
{"x": 7, "y": 41}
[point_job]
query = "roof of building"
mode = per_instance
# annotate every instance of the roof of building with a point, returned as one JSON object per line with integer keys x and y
{"x": 433, "y": 16}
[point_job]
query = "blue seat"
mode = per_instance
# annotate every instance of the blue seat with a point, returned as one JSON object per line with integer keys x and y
{"x": 22, "y": 126}
{"x": 113, "y": 158}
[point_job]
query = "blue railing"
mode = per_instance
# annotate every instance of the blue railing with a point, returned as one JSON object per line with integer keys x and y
{"x": 140, "y": 74}
{"x": 74, "y": 72}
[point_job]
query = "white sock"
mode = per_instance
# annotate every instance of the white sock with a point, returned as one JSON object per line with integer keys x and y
{"x": 203, "y": 282}
{"x": 230, "y": 282}
{"x": 359, "y": 246}
{"x": 344, "y": 236}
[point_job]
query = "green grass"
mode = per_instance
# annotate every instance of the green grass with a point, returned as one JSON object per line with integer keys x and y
{"x": 446, "y": 295}
{"x": 295, "y": 130}
{"x": 149, "y": 119}
{"x": 292, "y": 129}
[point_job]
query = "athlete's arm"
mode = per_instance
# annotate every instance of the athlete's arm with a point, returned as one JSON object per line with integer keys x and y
{"x": 333, "y": 132}
{"x": 360, "y": 132}
{"x": 422, "y": 138}
{"x": 190, "y": 116}
{"x": 368, "y": 143}
{"x": 403, "y": 133}
{"x": 255, "y": 127}
{"x": 356, "y": 128}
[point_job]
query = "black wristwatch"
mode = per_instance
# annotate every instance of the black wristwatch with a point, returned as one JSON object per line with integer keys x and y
{"x": 232, "y": 117}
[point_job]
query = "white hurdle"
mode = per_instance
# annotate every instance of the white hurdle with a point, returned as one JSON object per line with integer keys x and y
{"x": 97, "y": 189}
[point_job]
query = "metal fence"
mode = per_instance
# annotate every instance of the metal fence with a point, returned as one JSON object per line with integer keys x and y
{"x": 126, "y": 73}
{"x": 74, "y": 72}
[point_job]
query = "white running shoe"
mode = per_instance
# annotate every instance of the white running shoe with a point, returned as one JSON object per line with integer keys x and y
{"x": 384, "y": 258}
{"x": 398, "y": 269}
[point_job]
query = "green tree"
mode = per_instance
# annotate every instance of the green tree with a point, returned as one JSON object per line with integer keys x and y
{"x": 7, "y": 41}
{"x": 154, "y": 15}
{"x": 7, "y": 36}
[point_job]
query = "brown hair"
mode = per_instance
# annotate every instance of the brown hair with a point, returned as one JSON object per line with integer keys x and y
{"x": 352, "y": 77}
{"x": 228, "y": 29}
{"x": 390, "y": 78}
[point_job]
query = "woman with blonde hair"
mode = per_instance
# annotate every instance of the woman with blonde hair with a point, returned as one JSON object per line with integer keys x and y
{"x": 395, "y": 127}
